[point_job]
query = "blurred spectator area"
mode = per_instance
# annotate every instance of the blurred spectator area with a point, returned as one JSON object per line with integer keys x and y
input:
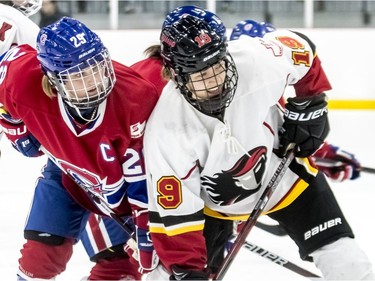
{"x": 137, "y": 14}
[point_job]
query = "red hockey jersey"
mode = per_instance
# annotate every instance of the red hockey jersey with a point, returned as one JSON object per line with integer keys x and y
{"x": 104, "y": 156}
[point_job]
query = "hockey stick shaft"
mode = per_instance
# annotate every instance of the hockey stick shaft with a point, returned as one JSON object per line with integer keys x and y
{"x": 279, "y": 260}
{"x": 368, "y": 170}
{"x": 324, "y": 161}
{"x": 258, "y": 209}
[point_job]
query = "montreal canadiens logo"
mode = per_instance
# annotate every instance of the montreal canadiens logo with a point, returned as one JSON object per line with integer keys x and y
{"x": 43, "y": 39}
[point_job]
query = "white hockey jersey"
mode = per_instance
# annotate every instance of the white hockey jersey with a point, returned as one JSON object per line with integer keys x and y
{"x": 196, "y": 162}
{"x": 15, "y": 29}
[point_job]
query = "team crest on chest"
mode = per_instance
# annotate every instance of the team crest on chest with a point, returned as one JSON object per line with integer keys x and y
{"x": 84, "y": 178}
{"x": 240, "y": 181}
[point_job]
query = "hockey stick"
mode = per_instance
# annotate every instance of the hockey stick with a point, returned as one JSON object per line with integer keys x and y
{"x": 259, "y": 207}
{"x": 274, "y": 229}
{"x": 333, "y": 163}
{"x": 279, "y": 260}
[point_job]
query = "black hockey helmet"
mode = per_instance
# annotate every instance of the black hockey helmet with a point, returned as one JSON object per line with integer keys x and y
{"x": 191, "y": 45}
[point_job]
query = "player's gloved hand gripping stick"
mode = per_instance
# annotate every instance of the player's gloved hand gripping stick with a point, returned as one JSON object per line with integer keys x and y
{"x": 17, "y": 133}
{"x": 337, "y": 164}
{"x": 332, "y": 163}
{"x": 305, "y": 124}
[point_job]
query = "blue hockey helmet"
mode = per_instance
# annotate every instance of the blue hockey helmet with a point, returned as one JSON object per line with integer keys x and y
{"x": 251, "y": 28}
{"x": 212, "y": 19}
{"x": 76, "y": 62}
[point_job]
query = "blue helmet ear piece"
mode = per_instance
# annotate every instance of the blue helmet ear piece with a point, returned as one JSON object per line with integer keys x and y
{"x": 268, "y": 27}
{"x": 251, "y": 28}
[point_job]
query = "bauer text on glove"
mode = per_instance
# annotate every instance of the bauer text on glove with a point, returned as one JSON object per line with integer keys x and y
{"x": 305, "y": 125}
{"x": 18, "y": 134}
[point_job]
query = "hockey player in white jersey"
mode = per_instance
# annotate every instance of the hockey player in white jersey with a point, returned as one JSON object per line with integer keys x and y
{"x": 338, "y": 164}
{"x": 15, "y": 26}
{"x": 212, "y": 144}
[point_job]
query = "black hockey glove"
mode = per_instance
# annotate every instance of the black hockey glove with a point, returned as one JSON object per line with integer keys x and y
{"x": 185, "y": 274}
{"x": 305, "y": 124}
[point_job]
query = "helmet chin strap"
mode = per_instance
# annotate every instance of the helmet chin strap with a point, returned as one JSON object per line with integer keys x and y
{"x": 82, "y": 116}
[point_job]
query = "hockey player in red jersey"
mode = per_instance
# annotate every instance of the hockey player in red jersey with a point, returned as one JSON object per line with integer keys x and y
{"x": 211, "y": 143}
{"x": 88, "y": 113}
{"x": 102, "y": 237}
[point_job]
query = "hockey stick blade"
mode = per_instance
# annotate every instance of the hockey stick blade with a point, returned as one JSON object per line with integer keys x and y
{"x": 274, "y": 229}
{"x": 324, "y": 161}
{"x": 280, "y": 260}
{"x": 254, "y": 215}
